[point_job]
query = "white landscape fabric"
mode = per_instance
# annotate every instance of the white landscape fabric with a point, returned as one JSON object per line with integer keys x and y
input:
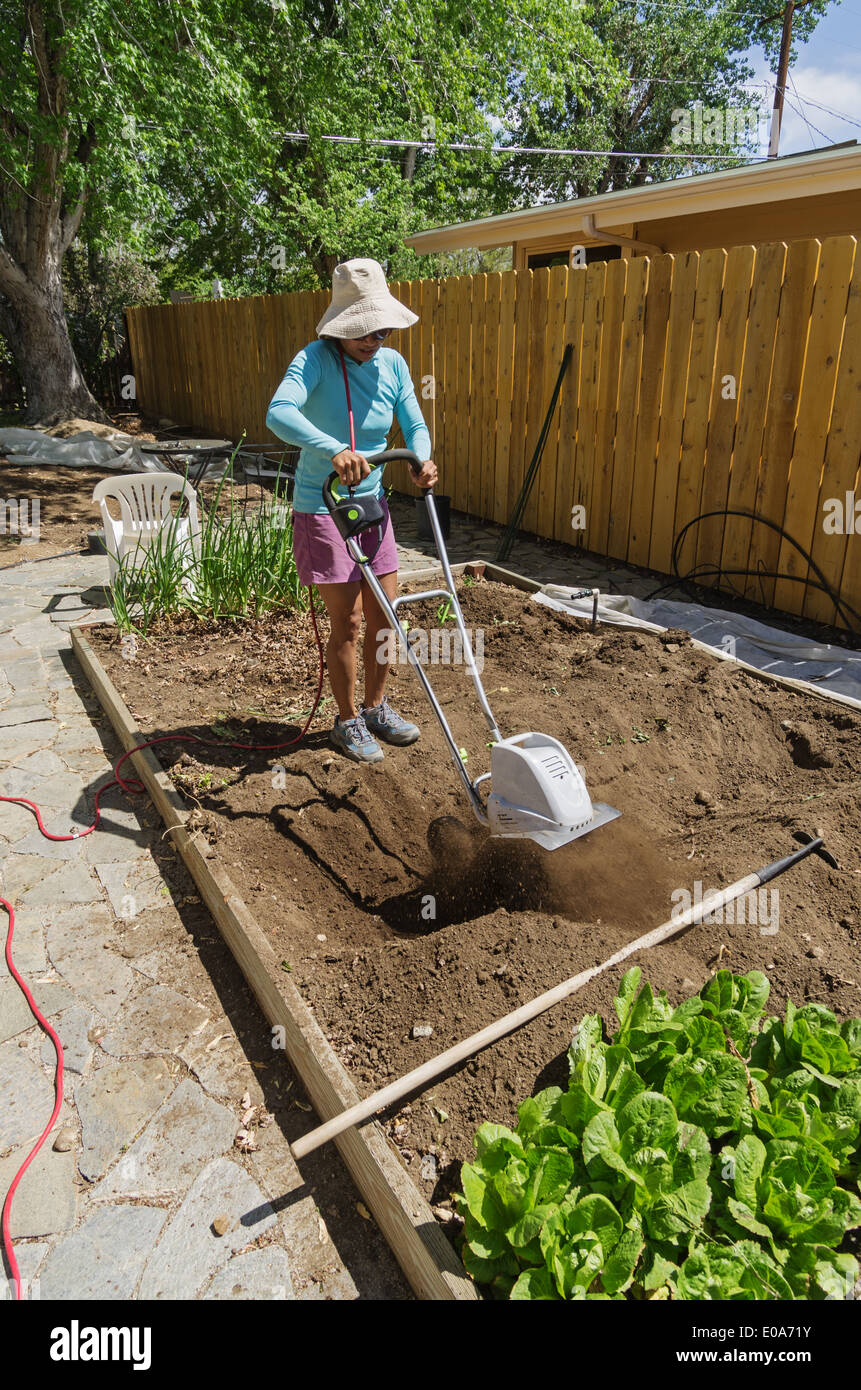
{"x": 732, "y": 635}
{"x": 84, "y": 450}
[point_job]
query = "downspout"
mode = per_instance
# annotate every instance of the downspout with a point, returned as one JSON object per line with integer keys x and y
{"x": 616, "y": 239}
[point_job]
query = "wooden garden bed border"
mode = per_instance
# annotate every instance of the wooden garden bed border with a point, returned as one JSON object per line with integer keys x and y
{"x": 399, "y": 1208}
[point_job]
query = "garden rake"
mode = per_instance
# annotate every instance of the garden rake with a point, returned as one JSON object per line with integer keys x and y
{"x": 536, "y": 789}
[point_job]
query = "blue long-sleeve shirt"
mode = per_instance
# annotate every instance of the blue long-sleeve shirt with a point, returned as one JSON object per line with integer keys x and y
{"x": 309, "y": 408}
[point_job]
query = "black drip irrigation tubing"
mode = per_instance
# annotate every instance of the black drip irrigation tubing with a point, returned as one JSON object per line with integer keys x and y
{"x": 40, "y": 559}
{"x": 717, "y": 570}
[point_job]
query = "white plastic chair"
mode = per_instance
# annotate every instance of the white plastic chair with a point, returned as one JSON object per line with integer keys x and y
{"x": 145, "y": 512}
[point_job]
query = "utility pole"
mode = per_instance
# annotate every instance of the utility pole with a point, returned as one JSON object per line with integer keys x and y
{"x": 782, "y": 71}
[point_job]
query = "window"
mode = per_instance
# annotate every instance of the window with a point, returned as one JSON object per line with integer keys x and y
{"x": 593, "y": 253}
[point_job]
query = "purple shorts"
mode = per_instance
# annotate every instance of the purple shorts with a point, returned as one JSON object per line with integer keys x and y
{"x": 321, "y": 552}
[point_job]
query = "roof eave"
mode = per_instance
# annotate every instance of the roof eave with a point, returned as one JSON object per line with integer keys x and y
{"x": 794, "y": 177}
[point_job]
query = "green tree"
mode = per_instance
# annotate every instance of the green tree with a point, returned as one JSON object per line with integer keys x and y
{"x": 162, "y": 125}
{"x": 667, "y": 57}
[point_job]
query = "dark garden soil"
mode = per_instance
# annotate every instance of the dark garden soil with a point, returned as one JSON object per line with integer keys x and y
{"x": 712, "y": 769}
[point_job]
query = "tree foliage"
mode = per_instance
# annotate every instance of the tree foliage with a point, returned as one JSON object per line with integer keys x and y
{"x": 167, "y": 131}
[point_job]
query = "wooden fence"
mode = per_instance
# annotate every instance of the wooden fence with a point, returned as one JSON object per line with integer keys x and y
{"x": 700, "y": 382}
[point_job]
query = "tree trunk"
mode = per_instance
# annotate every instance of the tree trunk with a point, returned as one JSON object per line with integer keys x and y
{"x": 324, "y": 263}
{"x": 35, "y": 329}
{"x": 36, "y": 231}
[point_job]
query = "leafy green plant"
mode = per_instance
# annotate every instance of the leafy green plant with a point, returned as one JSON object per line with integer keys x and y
{"x": 704, "y": 1152}
{"x": 443, "y": 613}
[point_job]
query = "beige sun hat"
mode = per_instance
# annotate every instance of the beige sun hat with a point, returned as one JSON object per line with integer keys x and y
{"x": 361, "y": 302}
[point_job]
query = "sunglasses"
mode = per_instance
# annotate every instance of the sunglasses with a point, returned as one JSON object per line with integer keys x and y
{"x": 381, "y": 334}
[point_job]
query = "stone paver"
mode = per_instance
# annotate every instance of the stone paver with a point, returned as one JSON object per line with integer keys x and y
{"x": 29, "y": 1254}
{"x": 158, "y": 1021}
{"x": 114, "y": 1105}
{"x": 26, "y": 1096}
{"x": 173, "y": 1147}
{"x": 71, "y": 882}
{"x": 72, "y": 1028}
{"x": 46, "y": 1197}
{"x": 190, "y": 1251}
{"x": 262, "y": 1275}
{"x": 78, "y": 946}
{"x": 132, "y": 886}
{"x": 104, "y": 1257}
{"x": 15, "y": 1014}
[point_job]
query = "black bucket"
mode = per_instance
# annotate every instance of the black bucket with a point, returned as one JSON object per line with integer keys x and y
{"x": 442, "y": 504}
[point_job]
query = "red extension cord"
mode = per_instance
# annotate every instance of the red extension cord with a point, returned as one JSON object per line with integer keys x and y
{"x": 133, "y": 786}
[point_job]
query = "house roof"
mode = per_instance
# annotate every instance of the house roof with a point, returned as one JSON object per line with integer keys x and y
{"x": 792, "y": 176}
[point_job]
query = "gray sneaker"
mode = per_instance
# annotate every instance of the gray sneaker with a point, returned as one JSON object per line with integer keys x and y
{"x": 386, "y": 724}
{"x": 352, "y": 738}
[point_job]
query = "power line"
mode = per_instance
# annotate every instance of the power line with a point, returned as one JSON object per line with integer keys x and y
{"x": 830, "y": 110}
{"x": 430, "y": 145}
{"x": 800, "y": 110}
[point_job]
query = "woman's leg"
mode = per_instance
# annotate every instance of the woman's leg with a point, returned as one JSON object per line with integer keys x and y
{"x": 344, "y": 606}
{"x": 377, "y": 628}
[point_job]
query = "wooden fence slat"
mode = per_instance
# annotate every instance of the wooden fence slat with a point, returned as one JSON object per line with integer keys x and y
{"x": 510, "y": 290}
{"x": 517, "y": 460}
{"x": 489, "y": 401}
{"x": 723, "y": 410}
{"x": 426, "y": 386}
{"x": 584, "y": 458}
{"x": 419, "y": 369}
{"x": 673, "y": 400}
{"x": 569, "y": 399}
{"x": 752, "y": 409}
{"x": 630, "y": 366}
{"x": 444, "y": 348}
{"x": 790, "y": 350}
{"x": 136, "y": 318}
{"x": 840, "y": 472}
{"x": 608, "y": 400}
{"x": 699, "y": 396}
{"x": 814, "y": 413}
{"x": 537, "y": 400}
{"x": 478, "y": 324}
{"x": 546, "y": 485}
{"x": 461, "y": 422}
{"x": 447, "y": 368}
{"x": 648, "y": 418}
{"x": 150, "y": 395}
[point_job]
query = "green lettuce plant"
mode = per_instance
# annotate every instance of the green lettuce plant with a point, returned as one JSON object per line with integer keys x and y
{"x": 704, "y": 1152}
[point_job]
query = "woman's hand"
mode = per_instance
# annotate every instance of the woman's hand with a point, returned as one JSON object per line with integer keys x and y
{"x": 350, "y": 467}
{"x": 428, "y": 475}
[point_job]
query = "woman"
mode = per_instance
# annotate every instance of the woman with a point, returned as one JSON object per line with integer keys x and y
{"x": 310, "y": 409}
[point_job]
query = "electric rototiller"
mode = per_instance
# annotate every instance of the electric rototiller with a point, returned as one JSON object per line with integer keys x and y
{"x": 536, "y": 791}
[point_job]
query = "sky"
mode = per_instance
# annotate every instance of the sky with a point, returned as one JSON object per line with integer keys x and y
{"x": 827, "y": 71}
